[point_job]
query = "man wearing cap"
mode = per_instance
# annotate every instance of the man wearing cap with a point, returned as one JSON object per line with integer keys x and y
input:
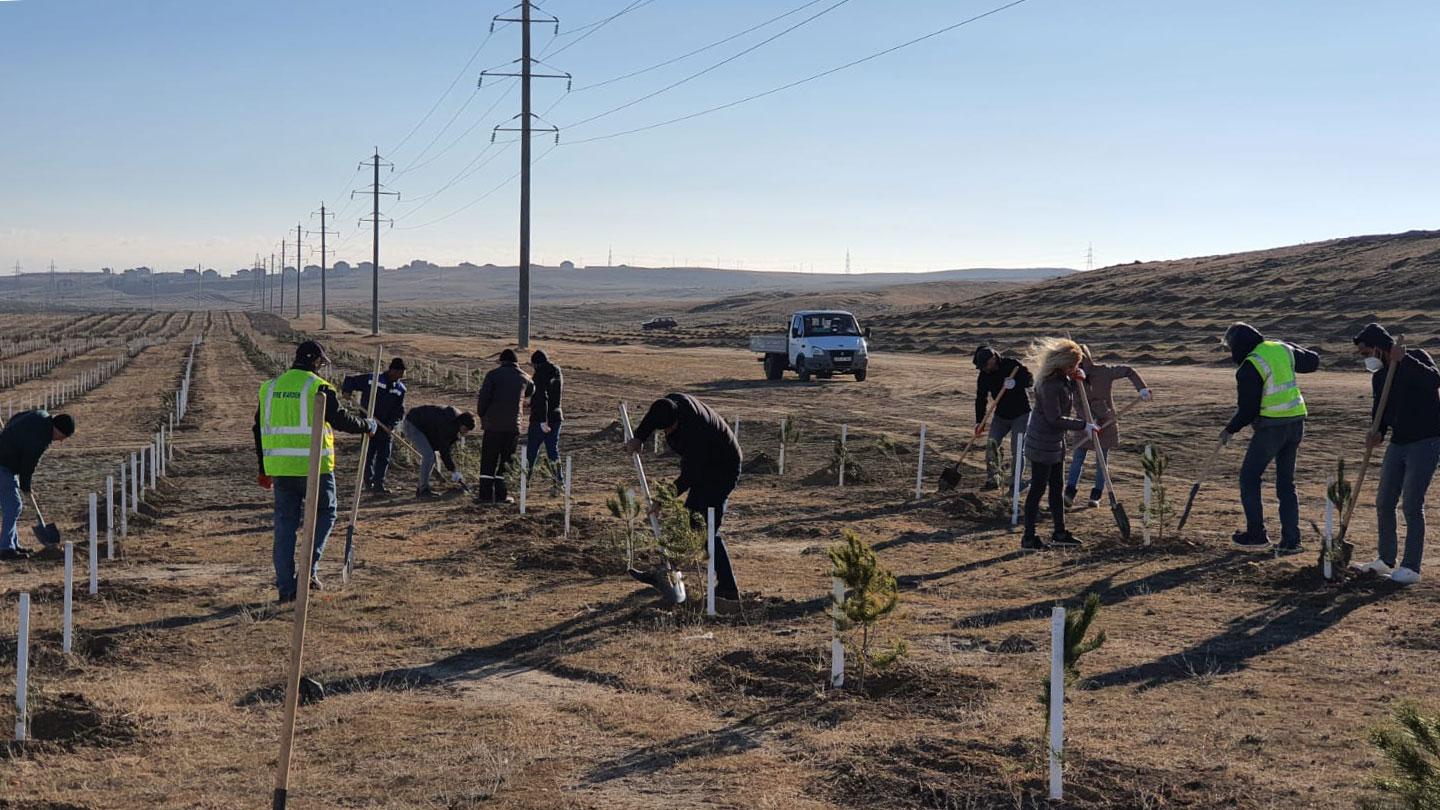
{"x": 1412, "y": 420}
{"x": 710, "y": 459}
{"x": 1006, "y": 378}
{"x": 282, "y": 447}
{"x": 1268, "y": 397}
{"x": 501, "y": 394}
{"x": 389, "y": 410}
{"x": 23, "y": 441}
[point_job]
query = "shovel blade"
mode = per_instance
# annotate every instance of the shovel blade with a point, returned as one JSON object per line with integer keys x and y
{"x": 1122, "y": 520}
{"x": 47, "y": 534}
{"x": 1189, "y": 504}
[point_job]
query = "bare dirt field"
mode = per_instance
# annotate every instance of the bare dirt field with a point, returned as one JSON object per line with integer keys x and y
{"x": 478, "y": 659}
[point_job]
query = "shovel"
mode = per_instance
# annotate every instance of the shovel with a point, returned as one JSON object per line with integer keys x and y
{"x": 47, "y": 533}
{"x": 1124, "y": 409}
{"x": 950, "y": 475}
{"x": 670, "y": 583}
{"x": 1122, "y": 520}
{"x": 1374, "y": 428}
{"x": 1195, "y": 489}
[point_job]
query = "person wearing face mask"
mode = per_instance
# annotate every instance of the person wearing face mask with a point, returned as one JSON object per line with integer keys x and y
{"x": 1268, "y": 397}
{"x": 1412, "y": 420}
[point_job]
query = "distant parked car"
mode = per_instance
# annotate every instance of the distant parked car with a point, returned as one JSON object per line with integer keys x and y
{"x": 659, "y": 323}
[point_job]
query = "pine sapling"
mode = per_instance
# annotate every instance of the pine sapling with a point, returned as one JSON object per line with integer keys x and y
{"x": 1160, "y": 510}
{"x": 1077, "y": 627}
{"x": 1411, "y": 749}
{"x": 625, "y": 506}
{"x": 871, "y": 594}
{"x": 841, "y": 457}
{"x": 683, "y": 533}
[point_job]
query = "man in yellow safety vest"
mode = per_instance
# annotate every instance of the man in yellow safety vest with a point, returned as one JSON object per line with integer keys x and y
{"x": 282, "y": 446}
{"x": 1268, "y": 397}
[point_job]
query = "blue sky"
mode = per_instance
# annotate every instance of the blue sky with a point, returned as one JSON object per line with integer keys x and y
{"x": 166, "y": 132}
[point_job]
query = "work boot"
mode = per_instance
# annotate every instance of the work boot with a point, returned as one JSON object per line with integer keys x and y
{"x": 10, "y": 554}
{"x": 1093, "y": 503}
{"x": 382, "y": 491}
{"x": 1287, "y": 549}
{"x": 1064, "y": 539}
{"x": 1405, "y": 576}
{"x": 991, "y": 484}
{"x": 1245, "y": 541}
{"x": 1376, "y": 567}
{"x": 426, "y": 494}
{"x": 1070, "y": 496}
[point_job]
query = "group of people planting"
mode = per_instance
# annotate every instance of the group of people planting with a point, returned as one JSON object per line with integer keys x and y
{"x": 1073, "y": 395}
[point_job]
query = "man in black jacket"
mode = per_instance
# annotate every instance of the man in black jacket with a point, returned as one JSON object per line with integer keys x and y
{"x": 435, "y": 429}
{"x": 1412, "y": 418}
{"x": 1268, "y": 397}
{"x": 389, "y": 410}
{"x": 1008, "y": 379}
{"x": 499, "y": 401}
{"x": 23, "y": 441}
{"x": 710, "y": 459}
{"x": 545, "y": 414}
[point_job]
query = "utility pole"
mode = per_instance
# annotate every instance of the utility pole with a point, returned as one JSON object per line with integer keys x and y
{"x": 299, "y": 267}
{"x": 375, "y": 192}
{"x": 281, "y": 310}
{"x": 1090, "y": 257}
{"x": 324, "y": 310}
{"x": 526, "y": 128}
{"x": 847, "y": 261}
{"x": 610, "y": 256}
{"x": 54, "y": 287}
{"x": 270, "y": 284}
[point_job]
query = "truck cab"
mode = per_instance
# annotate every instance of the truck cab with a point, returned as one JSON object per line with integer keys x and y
{"x": 821, "y": 343}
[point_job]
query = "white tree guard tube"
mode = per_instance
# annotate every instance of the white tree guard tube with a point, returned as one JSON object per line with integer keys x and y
{"x": 1057, "y": 700}
{"x": 1325, "y": 564}
{"x": 844, "y": 433}
{"x": 67, "y": 638}
{"x": 1145, "y": 511}
{"x": 22, "y": 668}
{"x": 109, "y": 517}
{"x": 524, "y": 475}
{"x": 710, "y": 561}
{"x": 94, "y": 548}
{"x": 1018, "y": 462}
{"x": 920, "y": 466}
{"x": 569, "y": 471}
{"x": 837, "y": 648}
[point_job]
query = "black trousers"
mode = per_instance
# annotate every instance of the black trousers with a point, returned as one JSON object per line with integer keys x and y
{"x": 377, "y": 459}
{"x": 496, "y": 450}
{"x": 1045, "y": 477}
{"x": 699, "y": 501}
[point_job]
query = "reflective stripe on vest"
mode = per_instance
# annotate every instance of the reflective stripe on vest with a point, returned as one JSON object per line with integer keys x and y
{"x": 1281, "y": 397}
{"x": 285, "y": 414}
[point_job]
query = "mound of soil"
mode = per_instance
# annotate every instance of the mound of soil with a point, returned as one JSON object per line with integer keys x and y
{"x": 781, "y": 674}
{"x": 761, "y": 464}
{"x": 69, "y": 721}
{"x": 829, "y": 476}
{"x": 612, "y": 432}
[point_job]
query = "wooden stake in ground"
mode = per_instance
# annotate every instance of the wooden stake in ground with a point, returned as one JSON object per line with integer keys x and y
{"x": 302, "y": 603}
{"x": 1374, "y": 428}
{"x": 349, "y": 565}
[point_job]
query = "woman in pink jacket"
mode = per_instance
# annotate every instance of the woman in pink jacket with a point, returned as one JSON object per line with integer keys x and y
{"x": 1099, "y": 385}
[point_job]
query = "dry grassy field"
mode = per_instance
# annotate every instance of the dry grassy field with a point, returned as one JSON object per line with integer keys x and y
{"x": 477, "y": 659}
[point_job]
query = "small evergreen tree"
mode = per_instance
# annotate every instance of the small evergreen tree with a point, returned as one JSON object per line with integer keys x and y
{"x": 682, "y": 532}
{"x": 625, "y": 506}
{"x": 871, "y": 594}
{"x": 1077, "y": 626}
{"x": 841, "y": 457}
{"x": 1160, "y": 510}
{"x": 1411, "y": 748}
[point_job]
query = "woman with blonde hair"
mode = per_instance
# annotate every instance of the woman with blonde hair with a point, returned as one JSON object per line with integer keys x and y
{"x": 1057, "y": 365}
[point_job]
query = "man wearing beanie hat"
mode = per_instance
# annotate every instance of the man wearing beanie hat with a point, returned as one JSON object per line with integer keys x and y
{"x": 498, "y": 404}
{"x": 24, "y": 440}
{"x": 1412, "y": 420}
{"x": 1268, "y": 396}
{"x": 282, "y": 447}
{"x": 1012, "y": 413}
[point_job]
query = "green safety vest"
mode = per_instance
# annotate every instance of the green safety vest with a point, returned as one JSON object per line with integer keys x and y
{"x": 285, "y": 404}
{"x": 1276, "y": 363}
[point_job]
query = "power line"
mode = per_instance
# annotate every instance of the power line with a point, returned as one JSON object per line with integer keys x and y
{"x": 478, "y": 121}
{"x": 813, "y": 77}
{"x": 464, "y": 71}
{"x": 467, "y": 206}
{"x": 727, "y": 60}
{"x": 594, "y": 28}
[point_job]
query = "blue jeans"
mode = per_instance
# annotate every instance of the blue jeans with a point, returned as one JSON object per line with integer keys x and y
{"x": 1077, "y": 467}
{"x": 998, "y": 429}
{"x": 551, "y": 441}
{"x": 1405, "y": 475}
{"x": 377, "y": 459}
{"x": 10, "y": 504}
{"x": 289, "y": 520}
{"x": 1280, "y": 444}
{"x": 421, "y": 443}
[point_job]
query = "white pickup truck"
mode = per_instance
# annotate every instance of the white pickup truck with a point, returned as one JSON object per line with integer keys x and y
{"x": 821, "y": 343}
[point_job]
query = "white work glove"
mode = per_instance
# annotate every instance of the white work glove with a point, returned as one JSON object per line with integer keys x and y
{"x": 1010, "y": 384}
{"x": 1092, "y": 428}
{"x": 457, "y": 477}
{"x": 372, "y": 426}
{"x": 1145, "y": 395}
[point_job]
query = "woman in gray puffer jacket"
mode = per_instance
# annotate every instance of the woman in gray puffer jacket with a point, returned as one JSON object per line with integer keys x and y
{"x": 1057, "y": 364}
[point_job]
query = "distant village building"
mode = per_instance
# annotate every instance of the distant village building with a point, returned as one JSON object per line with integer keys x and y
{"x": 340, "y": 267}
{"x": 567, "y": 265}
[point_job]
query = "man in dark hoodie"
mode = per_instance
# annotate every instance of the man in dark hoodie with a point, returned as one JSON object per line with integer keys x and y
{"x": 545, "y": 414}
{"x": 710, "y": 459}
{"x": 1268, "y": 397}
{"x": 1412, "y": 418}
{"x": 1012, "y": 413}
{"x": 499, "y": 401}
{"x": 389, "y": 410}
{"x": 23, "y": 441}
{"x": 433, "y": 429}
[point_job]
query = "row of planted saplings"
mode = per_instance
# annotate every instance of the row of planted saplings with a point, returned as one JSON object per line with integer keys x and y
{"x": 138, "y": 475}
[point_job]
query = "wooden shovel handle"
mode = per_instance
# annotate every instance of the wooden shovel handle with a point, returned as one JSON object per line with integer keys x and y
{"x": 1369, "y": 451}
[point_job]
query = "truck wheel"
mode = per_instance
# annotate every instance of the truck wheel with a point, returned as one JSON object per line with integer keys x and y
{"x": 825, "y": 375}
{"x": 774, "y": 367}
{"x": 860, "y": 375}
{"x": 801, "y": 370}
